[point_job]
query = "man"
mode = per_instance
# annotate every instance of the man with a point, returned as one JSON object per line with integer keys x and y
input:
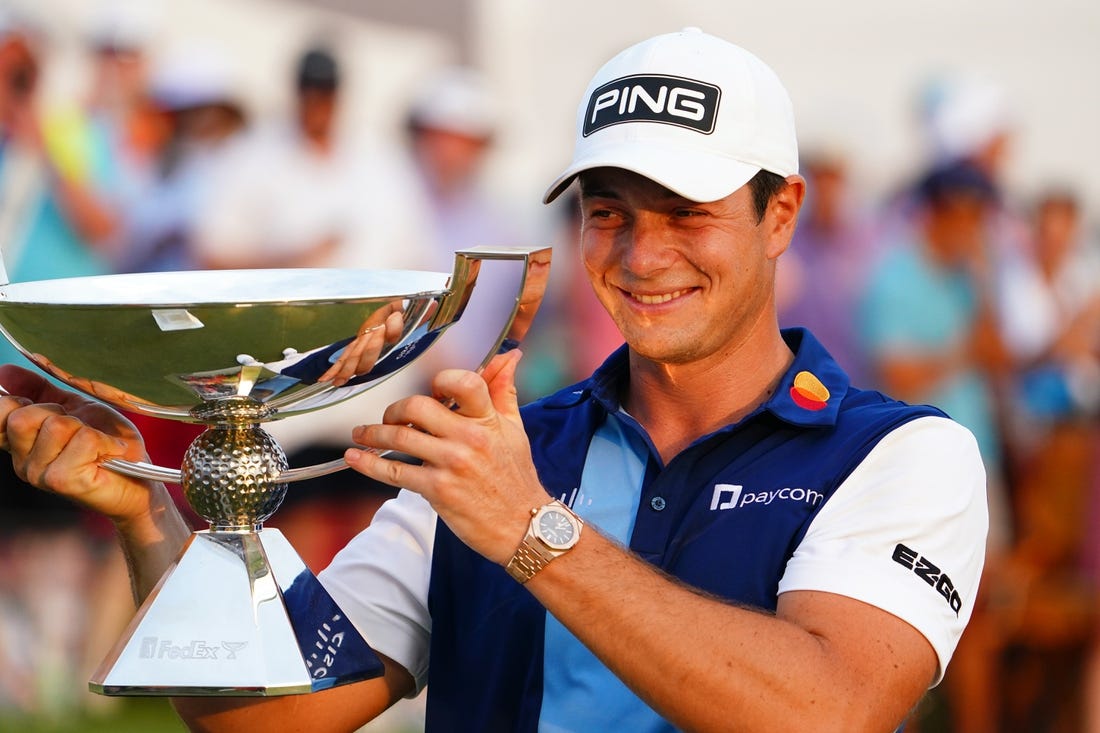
{"x": 451, "y": 130}
{"x": 819, "y": 280}
{"x": 302, "y": 192}
{"x": 927, "y": 323}
{"x": 801, "y": 553}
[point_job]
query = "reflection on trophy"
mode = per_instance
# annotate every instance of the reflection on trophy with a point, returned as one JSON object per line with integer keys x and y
{"x": 239, "y": 613}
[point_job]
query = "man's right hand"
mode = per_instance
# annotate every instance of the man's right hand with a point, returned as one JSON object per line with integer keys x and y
{"x": 57, "y": 439}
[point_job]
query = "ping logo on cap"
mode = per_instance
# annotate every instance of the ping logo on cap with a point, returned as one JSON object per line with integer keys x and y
{"x": 669, "y": 100}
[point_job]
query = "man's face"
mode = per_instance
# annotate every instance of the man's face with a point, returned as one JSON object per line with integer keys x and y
{"x": 317, "y": 112}
{"x": 18, "y": 75}
{"x": 957, "y": 224}
{"x": 450, "y": 158}
{"x": 1056, "y": 228}
{"x": 682, "y": 280}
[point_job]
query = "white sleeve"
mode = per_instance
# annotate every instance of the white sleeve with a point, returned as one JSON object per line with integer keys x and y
{"x": 380, "y": 580}
{"x": 905, "y": 532}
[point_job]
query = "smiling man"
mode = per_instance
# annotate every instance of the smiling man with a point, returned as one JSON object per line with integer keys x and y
{"x": 714, "y": 532}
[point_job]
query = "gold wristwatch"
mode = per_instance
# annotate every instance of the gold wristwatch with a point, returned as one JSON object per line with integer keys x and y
{"x": 553, "y": 531}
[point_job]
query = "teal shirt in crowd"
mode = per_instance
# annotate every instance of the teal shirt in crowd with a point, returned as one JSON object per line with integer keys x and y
{"x": 914, "y": 306}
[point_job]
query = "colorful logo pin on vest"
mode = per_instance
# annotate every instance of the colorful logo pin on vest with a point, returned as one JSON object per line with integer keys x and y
{"x": 808, "y": 392}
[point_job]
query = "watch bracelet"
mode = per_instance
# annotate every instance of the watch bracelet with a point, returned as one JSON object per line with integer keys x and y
{"x": 527, "y": 561}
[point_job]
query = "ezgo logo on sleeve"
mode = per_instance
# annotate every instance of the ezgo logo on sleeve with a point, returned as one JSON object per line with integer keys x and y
{"x": 930, "y": 573}
{"x": 669, "y": 100}
{"x": 732, "y": 496}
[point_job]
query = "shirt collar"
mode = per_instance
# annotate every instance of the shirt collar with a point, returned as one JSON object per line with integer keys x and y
{"x": 809, "y": 394}
{"x": 812, "y": 388}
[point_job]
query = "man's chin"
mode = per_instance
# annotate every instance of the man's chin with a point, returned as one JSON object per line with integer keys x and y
{"x": 675, "y": 353}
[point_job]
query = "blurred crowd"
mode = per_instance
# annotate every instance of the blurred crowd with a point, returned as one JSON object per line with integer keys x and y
{"x": 952, "y": 290}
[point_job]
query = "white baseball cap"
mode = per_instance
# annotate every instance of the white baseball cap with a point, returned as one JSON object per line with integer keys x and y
{"x": 688, "y": 110}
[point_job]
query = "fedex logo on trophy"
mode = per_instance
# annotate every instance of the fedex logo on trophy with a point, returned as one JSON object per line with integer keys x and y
{"x": 155, "y": 648}
{"x": 669, "y": 100}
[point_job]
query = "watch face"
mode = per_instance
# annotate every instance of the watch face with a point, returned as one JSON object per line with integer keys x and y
{"x": 556, "y": 528}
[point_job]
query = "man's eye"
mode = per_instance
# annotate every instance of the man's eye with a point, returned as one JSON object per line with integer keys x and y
{"x": 601, "y": 215}
{"x": 686, "y": 213}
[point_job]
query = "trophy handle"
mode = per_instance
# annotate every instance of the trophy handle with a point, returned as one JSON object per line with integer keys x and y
{"x": 140, "y": 469}
{"x": 137, "y": 469}
{"x": 532, "y": 287}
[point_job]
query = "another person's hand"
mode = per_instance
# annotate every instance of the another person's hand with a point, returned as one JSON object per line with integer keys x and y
{"x": 57, "y": 439}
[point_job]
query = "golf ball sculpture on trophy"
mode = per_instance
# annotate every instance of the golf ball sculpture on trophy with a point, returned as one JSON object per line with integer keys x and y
{"x": 239, "y": 613}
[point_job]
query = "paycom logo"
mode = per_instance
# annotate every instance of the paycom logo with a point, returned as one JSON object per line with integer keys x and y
{"x": 733, "y": 496}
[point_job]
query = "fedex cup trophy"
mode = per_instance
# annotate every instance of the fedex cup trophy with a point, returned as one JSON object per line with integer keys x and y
{"x": 239, "y": 613}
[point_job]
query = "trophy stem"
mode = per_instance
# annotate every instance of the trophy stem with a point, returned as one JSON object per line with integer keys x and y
{"x": 230, "y": 476}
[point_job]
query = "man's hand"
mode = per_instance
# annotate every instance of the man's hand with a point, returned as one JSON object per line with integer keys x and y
{"x": 57, "y": 439}
{"x": 477, "y": 471}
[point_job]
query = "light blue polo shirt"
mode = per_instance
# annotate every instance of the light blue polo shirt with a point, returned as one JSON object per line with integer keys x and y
{"x": 578, "y": 692}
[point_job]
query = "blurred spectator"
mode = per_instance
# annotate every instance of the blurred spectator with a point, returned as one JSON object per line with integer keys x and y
{"x": 821, "y": 275}
{"x": 927, "y": 318}
{"x": 927, "y": 323}
{"x": 1050, "y": 307}
{"x": 1044, "y": 605}
{"x": 51, "y": 222}
{"x": 194, "y": 89}
{"x": 452, "y": 123}
{"x": 967, "y": 116}
{"x": 303, "y": 193}
{"x": 112, "y": 136}
{"x": 964, "y": 117}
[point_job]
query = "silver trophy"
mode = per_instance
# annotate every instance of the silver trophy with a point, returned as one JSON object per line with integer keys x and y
{"x": 239, "y": 613}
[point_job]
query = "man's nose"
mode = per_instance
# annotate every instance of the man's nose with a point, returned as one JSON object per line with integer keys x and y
{"x": 646, "y": 248}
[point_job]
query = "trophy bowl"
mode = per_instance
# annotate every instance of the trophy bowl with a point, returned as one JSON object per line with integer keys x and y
{"x": 239, "y": 613}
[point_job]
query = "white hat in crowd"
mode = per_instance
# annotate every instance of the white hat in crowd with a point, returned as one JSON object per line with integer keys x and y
{"x": 964, "y": 113}
{"x": 455, "y": 99}
{"x": 194, "y": 73}
{"x": 688, "y": 110}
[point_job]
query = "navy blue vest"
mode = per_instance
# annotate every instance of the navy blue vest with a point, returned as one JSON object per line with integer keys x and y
{"x": 487, "y": 630}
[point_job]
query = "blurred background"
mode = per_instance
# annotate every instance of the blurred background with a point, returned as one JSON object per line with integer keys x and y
{"x": 947, "y": 253}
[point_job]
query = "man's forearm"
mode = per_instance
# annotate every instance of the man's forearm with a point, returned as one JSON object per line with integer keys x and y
{"x": 151, "y": 543}
{"x": 707, "y": 665}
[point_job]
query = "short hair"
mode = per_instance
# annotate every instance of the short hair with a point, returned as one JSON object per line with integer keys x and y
{"x": 318, "y": 70}
{"x": 961, "y": 178}
{"x": 1061, "y": 195}
{"x": 763, "y": 186}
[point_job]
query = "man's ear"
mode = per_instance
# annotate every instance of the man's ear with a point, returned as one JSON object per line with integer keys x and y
{"x": 782, "y": 214}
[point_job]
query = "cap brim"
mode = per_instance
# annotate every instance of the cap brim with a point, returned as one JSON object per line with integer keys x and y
{"x": 702, "y": 176}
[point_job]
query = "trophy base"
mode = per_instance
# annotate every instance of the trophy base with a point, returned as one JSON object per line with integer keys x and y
{"x": 238, "y": 615}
